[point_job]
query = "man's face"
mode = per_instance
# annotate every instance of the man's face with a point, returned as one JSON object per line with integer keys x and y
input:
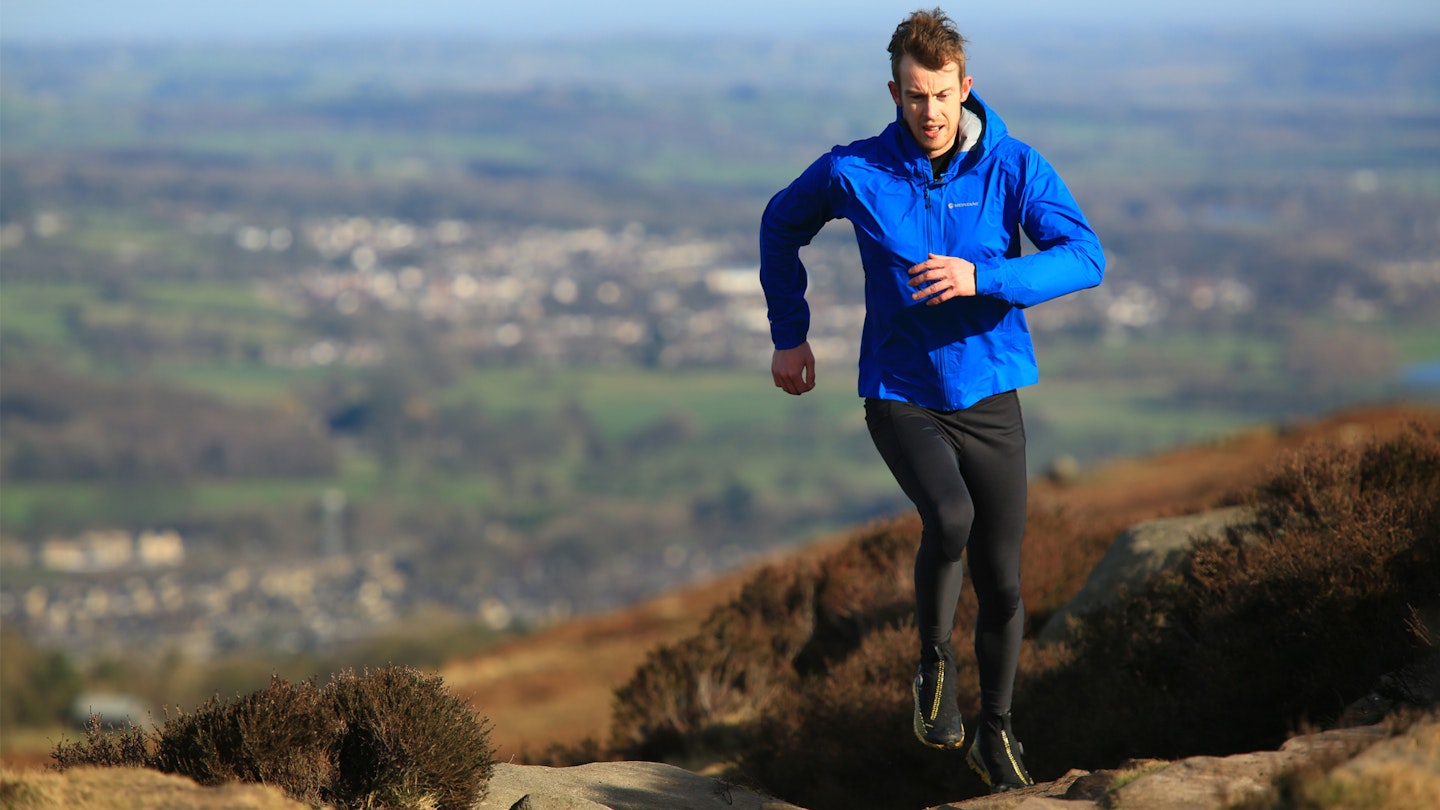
{"x": 929, "y": 101}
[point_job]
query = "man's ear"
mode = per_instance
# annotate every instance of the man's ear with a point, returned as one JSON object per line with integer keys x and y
{"x": 894, "y": 92}
{"x": 965, "y": 85}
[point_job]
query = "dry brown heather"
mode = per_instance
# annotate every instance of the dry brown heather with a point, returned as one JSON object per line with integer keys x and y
{"x": 1230, "y": 654}
{"x": 794, "y": 676}
{"x": 387, "y": 738}
{"x": 556, "y": 687}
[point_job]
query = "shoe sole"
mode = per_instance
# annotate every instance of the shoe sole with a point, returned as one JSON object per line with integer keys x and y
{"x": 978, "y": 767}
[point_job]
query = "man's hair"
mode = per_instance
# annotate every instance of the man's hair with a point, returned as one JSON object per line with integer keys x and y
{"x": 928, "y": 37}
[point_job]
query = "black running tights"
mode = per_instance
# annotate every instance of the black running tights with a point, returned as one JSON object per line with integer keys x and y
{"x": 965, "y": 472}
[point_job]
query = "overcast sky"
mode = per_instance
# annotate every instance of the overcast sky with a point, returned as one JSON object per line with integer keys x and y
{"x": 252, "y": 20}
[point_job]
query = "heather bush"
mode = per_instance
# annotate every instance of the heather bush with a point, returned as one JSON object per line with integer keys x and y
{"x": 404, "y": 741}
{"x": 686, "y": 693}
{"x": 1252, "y": 640}
{"x": 1059, "y": 550}
{"x": 843, "y": 738}
{"x": 275, "y": 735}
{"x": 787, "y": 624}
{"x": 1244, "y": 644}
{"x": 390, "y": 738}
{"x": 104, "y": 747}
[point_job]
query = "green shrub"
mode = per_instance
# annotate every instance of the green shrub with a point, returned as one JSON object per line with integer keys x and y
{"x": 390, "y": 738}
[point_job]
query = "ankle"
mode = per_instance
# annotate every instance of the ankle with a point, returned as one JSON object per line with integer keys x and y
{"x": 930, "y": 653}
{"x": 995, "y": 721}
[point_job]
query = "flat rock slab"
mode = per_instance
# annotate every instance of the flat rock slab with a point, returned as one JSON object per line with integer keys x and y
{"x": 1194, "y": 783}
{"x": 618, "y": 786}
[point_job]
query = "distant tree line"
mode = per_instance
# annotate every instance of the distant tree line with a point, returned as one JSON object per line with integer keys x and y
{"x": 58, "y": 427}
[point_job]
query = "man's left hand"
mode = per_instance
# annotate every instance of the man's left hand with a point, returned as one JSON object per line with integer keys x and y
{"x": 940, "y": 278}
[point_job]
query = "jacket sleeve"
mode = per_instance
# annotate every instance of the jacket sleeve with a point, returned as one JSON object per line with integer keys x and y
{"x": 790, "y": 221}
{"x": 1069, "y": 257}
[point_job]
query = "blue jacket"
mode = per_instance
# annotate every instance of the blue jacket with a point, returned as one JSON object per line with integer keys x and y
{"x": 956, "y": 353}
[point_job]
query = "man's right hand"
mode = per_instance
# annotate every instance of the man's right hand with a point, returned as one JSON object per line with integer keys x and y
{"x": 794, "y": 369}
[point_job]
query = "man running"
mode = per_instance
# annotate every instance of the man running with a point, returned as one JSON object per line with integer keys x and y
{"x": 937, "y": 201}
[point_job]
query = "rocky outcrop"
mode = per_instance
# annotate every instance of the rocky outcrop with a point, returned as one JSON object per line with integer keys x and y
{"x": 618, "y": 786}
{"x": 1368, "y": 756}
{"x": 1403, "y": 769}
{"x": 1139, "y": 553}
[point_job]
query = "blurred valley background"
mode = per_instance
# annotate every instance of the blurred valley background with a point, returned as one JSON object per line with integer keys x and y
{"x": 334, "y": 351}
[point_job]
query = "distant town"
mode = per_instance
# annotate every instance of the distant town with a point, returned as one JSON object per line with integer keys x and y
{"x": 111, "y": 591}
{"x": 591, "y": 295}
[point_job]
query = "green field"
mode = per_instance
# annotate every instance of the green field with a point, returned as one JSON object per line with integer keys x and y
{"x": 743, "y": 428}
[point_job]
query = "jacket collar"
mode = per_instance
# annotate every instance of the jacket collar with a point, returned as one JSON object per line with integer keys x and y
{"x": 991, "y": 129}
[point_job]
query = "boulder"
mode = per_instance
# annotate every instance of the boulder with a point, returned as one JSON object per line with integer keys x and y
{"x": 1139, "y": 553}
{"x": 618, "y": 786}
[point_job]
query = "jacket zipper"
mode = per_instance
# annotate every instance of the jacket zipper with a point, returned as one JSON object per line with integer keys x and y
{"x": 931, "y": 246}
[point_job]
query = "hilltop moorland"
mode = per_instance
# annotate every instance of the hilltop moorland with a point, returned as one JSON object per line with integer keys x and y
{"x": 328, "y": 355}
{"x": 555, "y": 687}
{"x": 1359, "y": 610}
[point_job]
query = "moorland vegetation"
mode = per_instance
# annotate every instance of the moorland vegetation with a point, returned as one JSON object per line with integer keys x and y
{"x": 798, "y": 685}
{"x": 801, "y": 680}
{"x": 388, "y": 738}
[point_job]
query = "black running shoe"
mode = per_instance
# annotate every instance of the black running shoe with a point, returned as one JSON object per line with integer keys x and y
{"x": 937, "y": 717}
{"x": 996, "y": 755}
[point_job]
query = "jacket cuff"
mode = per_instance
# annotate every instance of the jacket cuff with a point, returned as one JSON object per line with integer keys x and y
{"x": 989, "y": 276}
{"x": 786, "y": 337}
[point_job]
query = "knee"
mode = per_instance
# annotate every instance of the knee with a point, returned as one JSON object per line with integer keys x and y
{"x": 999, "y": 604}
{"x": 949, "y": 525}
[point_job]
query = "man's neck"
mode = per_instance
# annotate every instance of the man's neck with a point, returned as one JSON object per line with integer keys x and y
{"x": 939, "y": 164}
